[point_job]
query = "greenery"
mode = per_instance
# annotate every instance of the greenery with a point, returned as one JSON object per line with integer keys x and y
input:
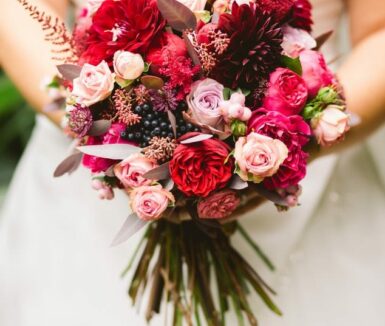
{"x": 16, "y": 123}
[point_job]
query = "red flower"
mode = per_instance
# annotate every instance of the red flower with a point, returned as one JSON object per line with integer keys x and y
{"x": 130, "y": 25}
{"x": 280, "y": 8}
{"x": 295, "y": 133}
{"x": 199, "y": 168}
{"x": 302, "y": 15}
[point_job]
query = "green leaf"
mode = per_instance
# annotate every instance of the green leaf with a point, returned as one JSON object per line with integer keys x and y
{"x": 294, "y": 64}
{"x": 227, "y": 93}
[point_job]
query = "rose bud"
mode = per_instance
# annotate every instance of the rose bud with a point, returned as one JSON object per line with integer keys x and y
{"x": 287, "y": 92}
{"x": 150, "y": 202}
{"x": 130, "y": 171}
{"x": 104, "y": 190}
{"x": 221, "y": 6}
{"x": 258, "y": 157}
{"x": 127, "y": 65}
{"x": 218, "y": 205}
{"x": 330, "y": 126}
{"x": 94, "y": 84}
{"x": 296, "y": 40}
{"x": 315, "y": 72}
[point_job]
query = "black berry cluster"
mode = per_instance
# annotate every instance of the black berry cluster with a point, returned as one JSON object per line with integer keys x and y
{"x": 156, "y": 124}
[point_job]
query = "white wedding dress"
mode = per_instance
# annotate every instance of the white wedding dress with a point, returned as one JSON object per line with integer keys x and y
{"x": 57, "y": 268}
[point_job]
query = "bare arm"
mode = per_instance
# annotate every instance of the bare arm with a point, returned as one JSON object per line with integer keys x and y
{"x": 24, "y": 54}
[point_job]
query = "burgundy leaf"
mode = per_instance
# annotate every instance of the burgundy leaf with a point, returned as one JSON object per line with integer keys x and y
{"x": 322, "y": 39}
{"x": 99, "y": 127}
{"x": 172, "y": 119}
{"x": 177, "y": 15}
{"x": 152, "y": 82}
{"x": 191, "y": 51}
{"x": 270, "y": 195}
{"x": 161, "y": 172}
{"x": 69, "y": 165}
{"x": 132, "y": 225}
{"x": 168, "y": 184}
{"x": 237, "y": 183}
{"x": 68, "y": 71}
{"x": 196, "y": 139}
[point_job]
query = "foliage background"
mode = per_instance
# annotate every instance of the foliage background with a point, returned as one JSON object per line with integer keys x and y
{"x": 16, "y": 124}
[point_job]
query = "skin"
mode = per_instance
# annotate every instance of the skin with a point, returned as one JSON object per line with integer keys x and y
{"x": 362, "y": 74}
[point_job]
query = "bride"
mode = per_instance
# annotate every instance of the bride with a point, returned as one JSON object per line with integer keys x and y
{"x": 56, "y": 266}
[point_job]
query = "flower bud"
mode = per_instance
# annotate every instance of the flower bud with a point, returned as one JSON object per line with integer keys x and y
{"x": 238, "y": 128}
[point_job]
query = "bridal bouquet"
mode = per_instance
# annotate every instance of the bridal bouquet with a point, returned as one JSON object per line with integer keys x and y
{"x": 194, "y": 108}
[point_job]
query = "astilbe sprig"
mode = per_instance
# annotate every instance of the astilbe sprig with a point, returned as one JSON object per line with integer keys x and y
{"x": 160, "y": 149}
{"x": 123, "y": 100}
{"x": 55, "y": 32}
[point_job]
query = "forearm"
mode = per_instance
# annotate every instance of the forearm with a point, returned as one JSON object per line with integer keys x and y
{"x": 24, "y": 54}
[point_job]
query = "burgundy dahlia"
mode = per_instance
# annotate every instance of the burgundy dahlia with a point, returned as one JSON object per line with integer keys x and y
{"x": 254, "y": 49}
{"x": 302, "y": 15}
{"x": 130, "y": 25}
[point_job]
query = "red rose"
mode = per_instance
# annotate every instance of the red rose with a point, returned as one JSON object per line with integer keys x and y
{"x": 302, "y": 15}
{"x": 287, "y": 92}
{"x": 295, "y": 133}
{"x": 123, "y": 25}
{"x": 170, "y": 44}
{"x": 199, "y": 168}
{"x": 218, "y": 205}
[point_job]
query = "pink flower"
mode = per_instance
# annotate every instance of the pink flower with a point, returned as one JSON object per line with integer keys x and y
{"x": 150, "y": 202}
{"x": 103, "y": 189}
{"x": 296, "y": 40}
{"x": 221, "y": 6}
{"x": 128, "y": 65}
{"x": 235, "y": 109}
{"x": 295, "y": 133}
{"x": 330, "y": 126}
{"x": 204, "y": 102}
{"x": 287, "y": 92}
{"x": 131, "y": 170}
{"x": 113, "y": 135}
{"x": 218, "y": 205}
{"x": 94, "y": 84}
{"x": 258, "y": 156}
{"x": 194, "y": 5}
{"x": 315, "y": 72}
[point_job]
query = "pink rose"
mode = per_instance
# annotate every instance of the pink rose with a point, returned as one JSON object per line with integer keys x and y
{"x": 235, "y": 109}
{"x": 296, "y": 40}
{"x": 330, "y": 126}
{"x": 287, "y": 92}
{"x": 315, "y": 72}
{"x": 103, "y": 189}
{"x": 150, "y": 202}
{"x": 94, "y": 84}
{"x": 204, "y": 102}
{"x": 295, "y": 133}
{"x": 127, "y": 65}
{"x": 194, "y": 5}
{"x": 131, "y": 170}
{"x": 218, "y": 205}
{"x": 258, "y": 157}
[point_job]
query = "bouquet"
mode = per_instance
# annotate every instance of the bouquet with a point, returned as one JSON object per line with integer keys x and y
{"x": 194, "y": 109}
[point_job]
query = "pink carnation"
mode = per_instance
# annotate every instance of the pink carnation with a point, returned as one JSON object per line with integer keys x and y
{"x": 218, "y": 205}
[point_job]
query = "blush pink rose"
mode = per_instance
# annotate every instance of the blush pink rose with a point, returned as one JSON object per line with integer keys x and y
{"x": 131, "y": 170}
{"x": 330, "y": 126}
{"x": 150, "y": 202}
{"x": 128, "y": 65}
{"x": 94, "y": 84}
{"x": 218, "y": 205}
{"x": 258, "y": 157}
{"x": 296, "y": 40}
{"x": 287, "y": 92}
{"x": 235, "y": 109}
{"x": 315, "y": 72}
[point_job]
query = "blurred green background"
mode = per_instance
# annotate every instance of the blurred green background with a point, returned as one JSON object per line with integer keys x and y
{"x": 16, "y": 123}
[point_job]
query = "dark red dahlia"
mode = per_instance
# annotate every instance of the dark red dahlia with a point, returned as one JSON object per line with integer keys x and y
{"x": 130, "y": 25}
{"x": 254, "y": 49}
{"x": 302, "y": 15}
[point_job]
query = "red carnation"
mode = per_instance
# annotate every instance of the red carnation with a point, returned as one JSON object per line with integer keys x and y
{"x": 123, "y": 25}
{"x": 200, "y": 168}
{"x": 302, "y": 15}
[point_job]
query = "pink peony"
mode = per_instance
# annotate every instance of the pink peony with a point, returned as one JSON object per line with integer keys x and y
{"x": 235, "y": 109}
{"x": 218, "y": 205}
{"x": 258, "y": 157}
{"x": 287, "y": 92}
{"x": 128, "y": 65}
{"x": 131, "y": 170}
{"x": 296, "y": 40}
{"x": 104, "y": 190}
{"x": 330, "y": 126}
{"x": 315, "y": 72}
{"x": 295, "y": 133}
{"x": 94, "y": 84}
{"x": 150, "y": 202}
